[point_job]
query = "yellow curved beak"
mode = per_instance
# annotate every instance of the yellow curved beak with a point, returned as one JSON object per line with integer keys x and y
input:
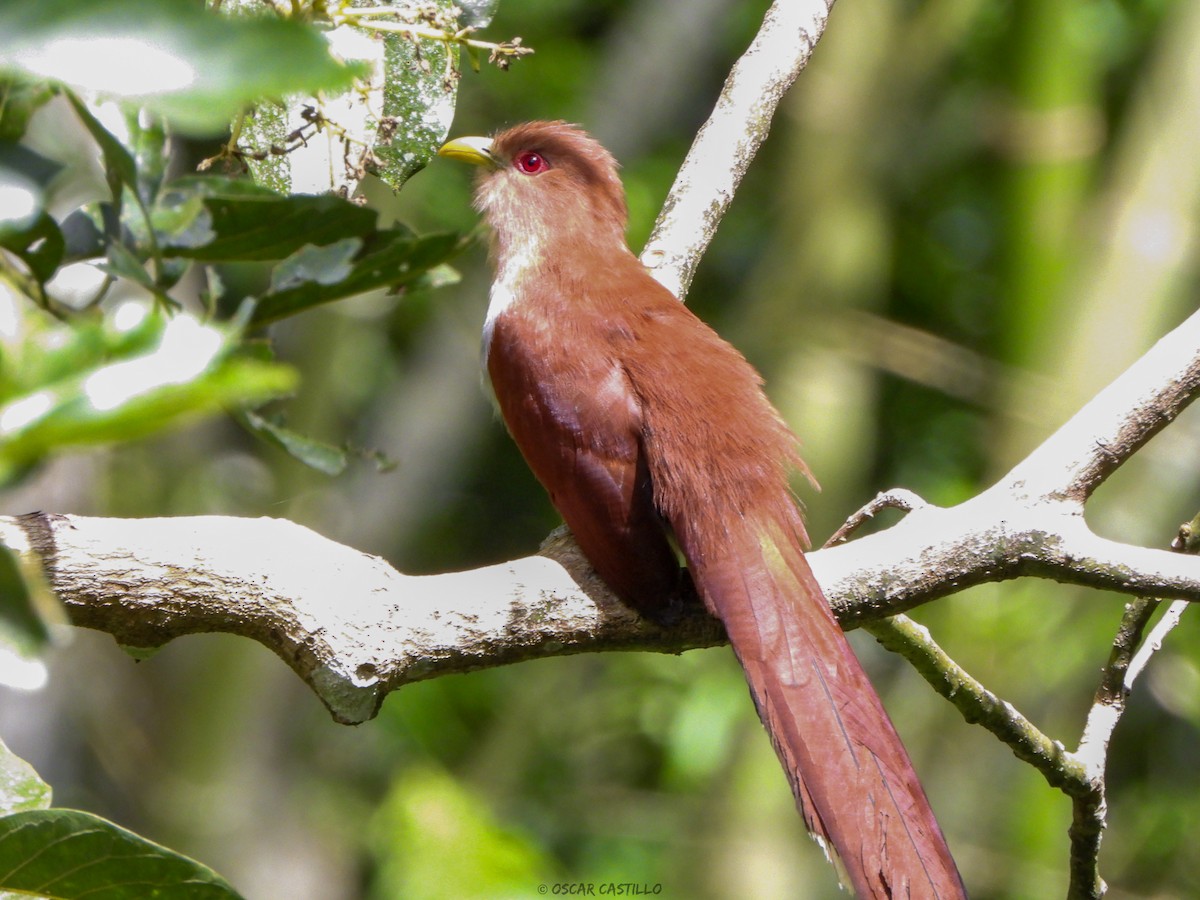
{"x": 474, "y": 150}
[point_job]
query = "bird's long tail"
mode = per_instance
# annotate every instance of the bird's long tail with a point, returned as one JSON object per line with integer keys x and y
{"x": 850, "y": 773}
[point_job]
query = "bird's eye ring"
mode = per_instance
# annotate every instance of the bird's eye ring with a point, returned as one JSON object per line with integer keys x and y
{"x": 531, "y": 162}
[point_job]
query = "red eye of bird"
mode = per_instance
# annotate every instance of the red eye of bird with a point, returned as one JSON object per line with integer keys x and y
{"x": 531, "y": 162}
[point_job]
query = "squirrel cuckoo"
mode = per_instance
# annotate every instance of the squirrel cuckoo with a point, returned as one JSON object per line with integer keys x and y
{"x": 650, "y": 431}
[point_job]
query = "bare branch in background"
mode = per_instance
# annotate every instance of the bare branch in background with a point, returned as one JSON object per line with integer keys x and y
{"x": 726, "y": 144}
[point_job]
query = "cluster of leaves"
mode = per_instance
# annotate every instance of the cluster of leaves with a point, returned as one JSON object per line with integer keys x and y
{"x": 96, "y": 241}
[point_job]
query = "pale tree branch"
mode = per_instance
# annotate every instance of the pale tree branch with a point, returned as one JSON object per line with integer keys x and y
{"x": 727, "y": 142}
{"x": 1126, "y": 661}
{"x": 350, "y": 625}
{"x": 354, "y": 628}
{"x": 1031, "y": 521}
{"x": 1078, "y": 457}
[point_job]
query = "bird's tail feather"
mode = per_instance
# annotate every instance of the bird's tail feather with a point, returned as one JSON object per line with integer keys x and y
{"x": 851, "y": 775}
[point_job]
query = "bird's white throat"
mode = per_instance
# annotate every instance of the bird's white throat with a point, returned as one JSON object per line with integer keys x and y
{"x": 511, "y": 269}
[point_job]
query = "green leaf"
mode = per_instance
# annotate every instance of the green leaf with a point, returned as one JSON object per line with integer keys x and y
{"x": 221, "y": 220}
{"x": 315, "y": 454}
{"x": 321, "y": 265}
{"x": 20, "y": 787}
{"x": 39, "y": 244}
{"x": 148, "y": 143}
{"x": 176, "y": 58}
{"x": 118, "y": 161}
{"x": 390, "y": 125}
{"x": 122, "y": 262}
{"x": 68, "y": 855}
{"x": 45, "y": 351}
{"x": 329, "y": 248}
{"x": 104, "y": 388}
{"x": 120, "y": 168}
{"x": 32, "y": 166}
{"x": 25, "y": 228}
{"x": 442, "y": 275}
{"x": 391, "y": 259}
{"x": 420, "y": 89}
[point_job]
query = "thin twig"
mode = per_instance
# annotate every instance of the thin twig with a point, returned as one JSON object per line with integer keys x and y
{"x": 499, "y": 53}
{"x": 977, "y": 704}
{"x": 895, "y": 498}
{"x": 1126, "y": 661}
{"x": 1170, "y": 619}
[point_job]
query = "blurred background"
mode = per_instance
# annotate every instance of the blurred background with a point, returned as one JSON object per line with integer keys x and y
{"x": 969, "y": 217}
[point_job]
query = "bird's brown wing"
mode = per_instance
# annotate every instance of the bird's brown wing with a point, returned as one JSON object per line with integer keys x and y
{"x": 581, "y": 435}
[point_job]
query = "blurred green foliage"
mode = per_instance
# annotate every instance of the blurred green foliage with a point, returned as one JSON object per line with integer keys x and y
{"x": 195, "y": 69}
{"x": 971, "y": 214}
{"x": 115, "y": 320}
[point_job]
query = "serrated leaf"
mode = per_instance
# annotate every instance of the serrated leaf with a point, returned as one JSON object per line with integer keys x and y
{"x": 20, "y": 787}
{"x": 193, "y": 66}
{"x": 69, "y": 855}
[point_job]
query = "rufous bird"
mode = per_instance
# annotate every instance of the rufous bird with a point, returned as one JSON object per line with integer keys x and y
{"x": 650, "y": 431}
